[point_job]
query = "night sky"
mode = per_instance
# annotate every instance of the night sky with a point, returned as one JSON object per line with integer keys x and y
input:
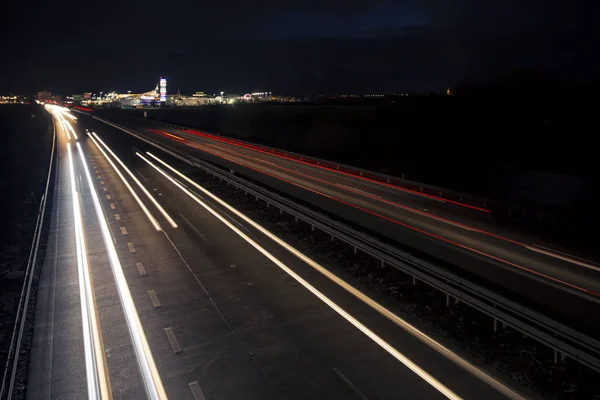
{"x": 324, "y": 46}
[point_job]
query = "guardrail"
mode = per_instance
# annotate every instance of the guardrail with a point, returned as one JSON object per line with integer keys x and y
{"x": 565, "y": 341}
{"x": 478, "y": 203}
{"x": 12, "y": 358}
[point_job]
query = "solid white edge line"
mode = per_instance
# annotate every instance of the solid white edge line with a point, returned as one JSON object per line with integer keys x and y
{"x": 479, "y": 373}
{"x": 372, "y": 335}
{"x": 153, "y": 220}
{"x": 152, "y": 381}
{"x": 93, "y": 387}
{"x": 136, "y": 180}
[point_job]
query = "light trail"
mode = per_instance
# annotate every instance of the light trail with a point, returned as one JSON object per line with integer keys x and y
{"x": 152, "y": 381}
{"x": 372, "y": 335}
{"x": 63, "y": 124}
{"x": 331, "y": 168}
{"x": 135, "y": 179}
{"x": 415, "y": 332}
{"x": 425, "y": 232}
{"x": 96, "y": 377}
{"x": 68, "y": 124}
{"x": 151, "y": 218}
{"x": 68, "y": 114}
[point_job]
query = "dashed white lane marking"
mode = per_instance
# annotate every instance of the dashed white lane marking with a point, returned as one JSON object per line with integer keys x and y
{"x": 232, "y": 265}
{"x": 358, "y": 190}
{"x": 105, "y": 189}
{"x": 131, "y": 247}
{"x": 196, "y": 390}
{"x": 141, "y": 269}
{"x": 99, "y": 176}
{"x": 112, "y": 206}
{"x": 117, "y": 217}
{"x": 108, "y": 197}
{"x": 102, "y": 182}
{"x": 562, "y": 256}
{"x": 123, "y": 230}
{"x": 173, "y": 340}
{"x": 250, "y": 284}
{"x": 193, "y": 227}
{"x": 154, "y": 298}
{"x": 356, "y": 390}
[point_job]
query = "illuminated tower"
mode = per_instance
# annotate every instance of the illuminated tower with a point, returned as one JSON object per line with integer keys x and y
{"x": 163, "y": 91}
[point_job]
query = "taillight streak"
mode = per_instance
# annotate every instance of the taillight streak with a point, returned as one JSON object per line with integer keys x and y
{"x": 405, "y": 225}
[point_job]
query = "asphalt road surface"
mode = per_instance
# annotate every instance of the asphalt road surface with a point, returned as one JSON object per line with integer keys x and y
{"x": 206, "y": 306}
{"x": 515, "y": 262}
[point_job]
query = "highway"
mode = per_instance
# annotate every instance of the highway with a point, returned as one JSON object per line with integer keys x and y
{"x": 461, "y": 238}
{"x": 153, "y": 288}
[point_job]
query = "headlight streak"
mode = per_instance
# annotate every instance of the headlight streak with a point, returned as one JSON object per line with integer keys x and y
{"x": 152, "y": 381}
{"x": 372, "y": 335}
{"x": 135, "y": 179}
{"x": 421, "y": 336}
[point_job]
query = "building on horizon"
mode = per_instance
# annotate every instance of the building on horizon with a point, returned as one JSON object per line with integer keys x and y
{"x": 44, "y": 96}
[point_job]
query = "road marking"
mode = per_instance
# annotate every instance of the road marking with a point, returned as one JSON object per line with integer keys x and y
{"x": 123, "y": 230}
{"x": 232, "y": 265}
{"x": 562, "y": 256}
{"x": 173, "y": 340}
{"x": 193, "y": 227}
{"x": 196, "y": 391}
{"x": 99, "y": 176}
{"x": 102, "y": 182}
{"x": 108, "y": 197}
{"x": 117, "y": 217}
{"x": 250, "y": 284}
{"x": 142, "y": 176}
{"x": 112, "y": 206}
{"x": 131, "y": 248}
{"x": 349, "y": 383}
{"x": 154, "y": 298}
{"x": 358, "y": 190}
{"x": 105, "y": 189}
{"x": 141, "y": 269}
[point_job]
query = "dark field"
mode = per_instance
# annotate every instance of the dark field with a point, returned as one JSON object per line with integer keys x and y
{"x": 26, "y": 135}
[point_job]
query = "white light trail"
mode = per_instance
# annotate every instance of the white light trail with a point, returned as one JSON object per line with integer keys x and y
{"x": 151, "y": 218}
{"x": 68, "y": 124}
{"x": 63, "y": 124}
{"x": 372, "y": 335}
{"x": 97, "y": 381}
{"x": 152, "y": 382}
{"x": 135, "y": 179}
{"x": 449, "y": 354}
{"x": 67, "y": 114}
